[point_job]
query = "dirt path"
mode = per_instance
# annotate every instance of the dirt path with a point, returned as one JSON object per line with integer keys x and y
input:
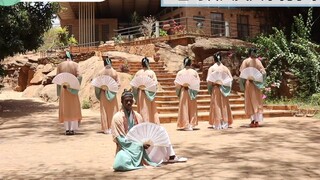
{"x": 32, "y": 146}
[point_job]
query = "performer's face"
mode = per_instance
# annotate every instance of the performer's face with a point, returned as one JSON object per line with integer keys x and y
{"x": 127, "y": 102}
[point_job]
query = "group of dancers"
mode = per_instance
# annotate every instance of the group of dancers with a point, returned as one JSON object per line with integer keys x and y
{"x": 118, "y": 120}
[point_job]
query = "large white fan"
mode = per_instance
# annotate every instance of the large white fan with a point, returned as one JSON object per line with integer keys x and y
{"x": 188, "y": 80}
{"x": 251, "y": 73}
{"x": 106, "y": 83}
{"x": 144, "y": 83}
{"x": 149, "y": 133}
{"x": 220, "y": 77}
{"x": 67, "y": 79}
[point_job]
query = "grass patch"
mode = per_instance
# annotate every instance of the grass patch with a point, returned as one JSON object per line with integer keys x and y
{"x": 86, "y": 104}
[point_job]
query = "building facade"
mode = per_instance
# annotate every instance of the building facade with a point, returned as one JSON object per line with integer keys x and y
{"x": 98, "y": 21}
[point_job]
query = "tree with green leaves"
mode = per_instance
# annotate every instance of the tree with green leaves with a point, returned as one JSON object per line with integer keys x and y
{"x": 23, "y": 25}
{"x": 296, "y": 54}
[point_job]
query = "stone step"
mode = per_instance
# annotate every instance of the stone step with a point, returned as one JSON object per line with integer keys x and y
{"x": 136, "y": 66}
{"x": 171, "y": 83}
{"x": 137, "y": 63}
{"x": 166, "y": 75}
{"x": 204, "y": 116}
{"x": 170, "y": 110}
{"x": 167, "y": 88}
{"x": 132, "y": 71}
{"x": 173, "y": 93}
{"x": 199, "y": 97}
{"x": 202, "y": 102}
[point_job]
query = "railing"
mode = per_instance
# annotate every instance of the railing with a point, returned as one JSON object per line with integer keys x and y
{"x": 79, "y": 48}
{"x": 188, "y": 25}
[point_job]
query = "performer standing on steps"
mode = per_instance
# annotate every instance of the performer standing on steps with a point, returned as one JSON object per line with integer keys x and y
{"x": 187, "y": 113}
{"x": 146, "y": 105}
{"x": 252, "y": 89}
{"x": 108, "y": 100}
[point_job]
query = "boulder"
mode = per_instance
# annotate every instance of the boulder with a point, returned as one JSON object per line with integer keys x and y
{"x": 49, "y": 93}
{"x": 32, "y": 91}
{"x": 37, "y": 78}
{"x": 47, "y": 68}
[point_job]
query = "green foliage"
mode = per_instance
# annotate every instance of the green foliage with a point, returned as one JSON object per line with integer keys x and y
{"x": 57, "y": 38}
{"x": 117, "y": 39}
{"x": 315, "y": 99}
{"x": 86, "y": 104}
{"x": 295, "y": 54}
{"x": 64, "y": 39}
{"x": 23, "y": 26}
{"x": 163, "y": 32}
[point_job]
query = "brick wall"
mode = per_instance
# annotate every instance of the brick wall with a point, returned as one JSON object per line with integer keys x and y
{"x": 112, "y": 23}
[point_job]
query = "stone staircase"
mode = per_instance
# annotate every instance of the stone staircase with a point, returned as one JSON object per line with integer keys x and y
{"x": 167, "y": 101}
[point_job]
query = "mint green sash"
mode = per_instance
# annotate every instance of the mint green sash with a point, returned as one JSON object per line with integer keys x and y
{"x": 72, "y": 91}
{"x": 192, "y": 93}
{"x": 150, "y": 95}
{"x": 109, "y": 94}
{"x": 8, "y": 2}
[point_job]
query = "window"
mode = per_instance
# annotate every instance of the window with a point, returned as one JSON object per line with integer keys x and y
{"x": 105, "y": 32}
{"x": 243, "y": 26}
{"x": 217, "y": 24}
{"x": 96, "y": 29}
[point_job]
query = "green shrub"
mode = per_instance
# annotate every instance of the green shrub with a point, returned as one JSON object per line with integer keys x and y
{"x": 86, "y": 104}
{"x": 315, "y": 99}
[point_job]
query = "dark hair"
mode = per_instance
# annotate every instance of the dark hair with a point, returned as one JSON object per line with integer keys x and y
{"x": 217, "y": 57}
{"x": 252, "y": 51}
{"x": 126, "y": 93}
{"x": 187, "y": 62}
{"x": 107, "y": 61}
{"x": 145, "y": 62}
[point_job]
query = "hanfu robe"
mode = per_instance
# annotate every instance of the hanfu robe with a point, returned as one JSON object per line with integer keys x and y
{"x": 146, "y": 105}
{"x": 108, "y": 100}
{"x": 69, "y": 103}
{"x": 129, "y": 155}
{"x": 220, "y": 110}
{"x": 188, "y": 113}
{"x": 252, "y": 90}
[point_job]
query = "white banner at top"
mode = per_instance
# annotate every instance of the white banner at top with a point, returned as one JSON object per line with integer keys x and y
{"x": 240, "y": 3}
{"x": 61, "y": 0}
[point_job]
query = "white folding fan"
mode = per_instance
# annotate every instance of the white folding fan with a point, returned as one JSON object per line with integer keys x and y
{"x": 67, "y": 79}
{"x": 188, "y": 80}
{"x": 105, "y": 82}
{"x": 144, "y": 83}
{"x": 149, "y": 133}
{"x": 220, "y": 77}
{"x": 251, "y": 73}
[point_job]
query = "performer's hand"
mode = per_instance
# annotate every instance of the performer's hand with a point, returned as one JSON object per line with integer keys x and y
{"x": 146, "y": 146}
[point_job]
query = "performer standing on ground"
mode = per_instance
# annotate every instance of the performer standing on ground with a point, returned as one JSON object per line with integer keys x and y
{"x": 108, "y": 100}
{"x": 69, "y": 103}
{"x": 220, "y": 116}
{"x": 146, "y": 105}
{"x": 187, "y": 114}
{"x": 252, "y": 89}
{"x": 131, "y": 155}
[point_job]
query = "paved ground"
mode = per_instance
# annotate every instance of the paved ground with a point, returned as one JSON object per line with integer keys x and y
{"x": 32, "y": 146}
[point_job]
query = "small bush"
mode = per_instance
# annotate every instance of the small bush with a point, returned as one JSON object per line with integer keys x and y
{"x": 86, "y": 104}
{"x": 315, "y": 99}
